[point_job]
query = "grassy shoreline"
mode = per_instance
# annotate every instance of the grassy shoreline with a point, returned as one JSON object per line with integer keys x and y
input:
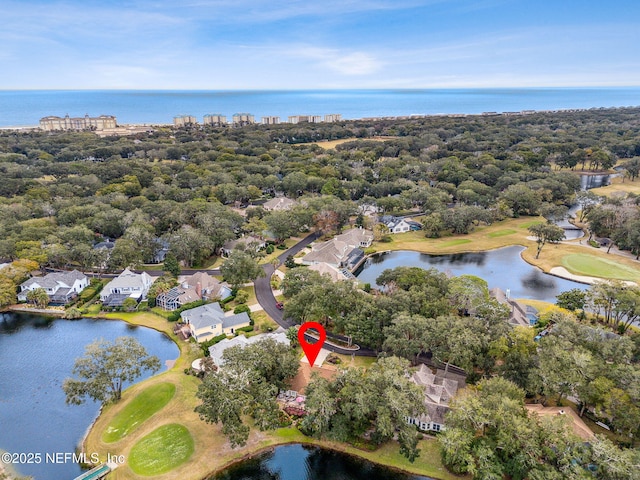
{"x": 511, "y": 232}
{"x": 212, "y": 453}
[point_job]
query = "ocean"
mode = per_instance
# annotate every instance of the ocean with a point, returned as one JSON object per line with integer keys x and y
{"x": 26, "y": 107}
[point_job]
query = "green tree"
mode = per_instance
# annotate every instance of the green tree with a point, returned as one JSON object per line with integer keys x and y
{"x": 240, "y": 268}
{"x": 546, "y": 233}
{"x": 377, "y": 400}
{"x": 572, "y": 300}
{"x": 171, "y": 265}
{"x": 38, "y": 297}
{"x": 247, "y": 385}
{"x": 105, "y": 367}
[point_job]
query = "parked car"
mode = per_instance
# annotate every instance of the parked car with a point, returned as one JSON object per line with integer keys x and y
{"x": 279, "y": 305}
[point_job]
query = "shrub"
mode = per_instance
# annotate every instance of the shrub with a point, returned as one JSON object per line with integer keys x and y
{"x": 242, "y": 296}
{"x": 205, "y": 345}
{"x": 242, "y": 308}
{"x": 282, "y": 246}
{"x": 367, "y": 287}
{"x": 244, "y": 329}
{"x": 269, "y": 249}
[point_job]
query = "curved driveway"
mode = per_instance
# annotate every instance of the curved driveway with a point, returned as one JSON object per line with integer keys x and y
{"x": 267, "y": 301}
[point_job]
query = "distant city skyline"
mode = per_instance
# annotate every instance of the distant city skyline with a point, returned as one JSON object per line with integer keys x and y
{"x": 294, "y": 44}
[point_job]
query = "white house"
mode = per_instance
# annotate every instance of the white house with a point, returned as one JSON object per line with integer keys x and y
{"x": 126, "y": 285}
{"x": 395, "y": 224}
{"x": 60, "y": 286}
{"x": 208, "y": 321}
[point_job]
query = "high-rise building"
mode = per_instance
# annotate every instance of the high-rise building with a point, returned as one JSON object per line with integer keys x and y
{"x": 240, "y": 119}
{"x": 270, "y": 120}
{"x": 78, "y": 123}
{"x": 333, "y": 117}
{"x": 305, "y": 118}
{"x": 182, "y": 120}
{"x": 216, "y": 119}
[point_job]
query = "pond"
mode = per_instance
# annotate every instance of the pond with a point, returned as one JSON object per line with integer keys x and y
{"x": 298, "y": 462}
{"x": 503, "y": 268}
{"x": 36, "y": 355}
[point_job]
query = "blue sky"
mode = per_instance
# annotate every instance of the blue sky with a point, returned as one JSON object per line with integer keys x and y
{"x": 279, "y": 44}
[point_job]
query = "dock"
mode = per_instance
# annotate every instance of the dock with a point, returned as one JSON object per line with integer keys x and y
{"x": 98, "y": 472}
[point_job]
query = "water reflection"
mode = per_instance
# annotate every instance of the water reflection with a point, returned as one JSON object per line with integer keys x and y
{"x": 36, "y": 355}
{"x": 503, "y": 268}
{"x": 298, "y": 462}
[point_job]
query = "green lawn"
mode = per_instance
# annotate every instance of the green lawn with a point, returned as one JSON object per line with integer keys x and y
{"x": 457, "y": 241}
{"x": 501, "y": 233}
{"x": 162, "y": 450}
{"x": 531, "y": 223}
{"x": 583, "y": 264}
{"x": 143, "y": 406}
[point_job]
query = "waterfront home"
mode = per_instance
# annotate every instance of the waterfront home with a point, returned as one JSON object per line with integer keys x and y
{"x": 398, "y": 225}
{"x": 199, "y": 286}
{"x": 249, "y": 242}
{"x": 216, "y": 351}
{"x": 335, "y": 274}
{"x": 61, "y": 287}
{"x": 439, "y": 389}
{"x": 356, "y": 237}
{"x": 342, "y": 251}
{"x": 208, "y": 321}
{"x": 126, "y": 285}
{"x": 521, "y": 315}
{"x": 278, "y": 204}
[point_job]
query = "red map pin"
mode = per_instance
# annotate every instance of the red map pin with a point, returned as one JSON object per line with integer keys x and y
{"x": 311, "y": 350}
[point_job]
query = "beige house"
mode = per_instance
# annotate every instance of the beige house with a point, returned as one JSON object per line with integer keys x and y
{"x": 209, "y": 321}
{"x": 342, "y": 251}
{"x": 199, "y": 286}
{"x": 278, "y": 203}
{"x": 77, "y": 123}
{"x": 334, "y": 273}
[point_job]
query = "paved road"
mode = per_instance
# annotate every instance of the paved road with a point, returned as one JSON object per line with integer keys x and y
{"x": 265, "y": 298}
{"x": 262, "y": 285}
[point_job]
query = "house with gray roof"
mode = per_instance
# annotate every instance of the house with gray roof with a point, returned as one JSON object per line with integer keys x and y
{"x": 278, "y": 204}
{"x": 396, "y": 224}
{"x": 61, "y": 287}
{"x": 247, "y": 241}
{"x": 342, "y": 251}
{"x": 199, "y": 286}
{"x": 439, "y": 389}
{"x": 208, "y": 321}
{"x": 126, "y": 285}
{"x": 217, "y": 351}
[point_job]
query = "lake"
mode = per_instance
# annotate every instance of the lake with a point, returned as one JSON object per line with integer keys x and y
{"x": 36, "y": 355}
{"x": 298, "y": 462}
{"x": 503, "y": 268}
